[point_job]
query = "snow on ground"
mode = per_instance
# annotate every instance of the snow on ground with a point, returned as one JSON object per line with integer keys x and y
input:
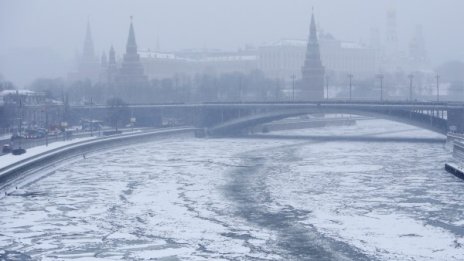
{"x": 5, "y": 136}
{"x": 9, "y": 159}
{"x": 246, "y": 199}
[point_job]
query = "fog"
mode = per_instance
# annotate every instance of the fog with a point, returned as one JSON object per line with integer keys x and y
{"x": 40, "y": 38}
{"x": 231, "y": 130}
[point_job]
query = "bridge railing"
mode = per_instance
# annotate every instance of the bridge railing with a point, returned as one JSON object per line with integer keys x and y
{"x": 330, "y": 101}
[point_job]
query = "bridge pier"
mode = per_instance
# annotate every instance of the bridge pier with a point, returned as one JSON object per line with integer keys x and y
{"x": 456, "y": 120}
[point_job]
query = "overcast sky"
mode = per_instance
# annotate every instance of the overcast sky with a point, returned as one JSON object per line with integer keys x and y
{"x": 49, "y": 32}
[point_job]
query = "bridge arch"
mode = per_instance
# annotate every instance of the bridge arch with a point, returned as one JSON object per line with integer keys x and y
{"x": 241, "y": 124}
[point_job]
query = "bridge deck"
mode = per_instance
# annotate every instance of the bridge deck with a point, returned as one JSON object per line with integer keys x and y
{"x": 302, "y": 105}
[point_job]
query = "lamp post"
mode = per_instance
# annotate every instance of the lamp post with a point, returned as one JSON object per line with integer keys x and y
{"x": 293, "y": 87}
{"x": 20, "y": 118}
{"x": 411, "y": 78}
{"x": 327, "y": 86}
{"x": 438, "y": 87}
{"x": 277, "y": 91}
{"x": 381, "y": 77}
{"x": 133, "y": 121}
{"x": 91, "y": 118}
{"x": 64, "y": 125}
{"x": 46, "y": 126}
{"x": 241, "y": 90}
{"x": 350, "y": 76}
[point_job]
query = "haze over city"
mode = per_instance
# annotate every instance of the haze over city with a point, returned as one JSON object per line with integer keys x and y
{"x": 231, "y": 130}
{"x": 41, "y": 38}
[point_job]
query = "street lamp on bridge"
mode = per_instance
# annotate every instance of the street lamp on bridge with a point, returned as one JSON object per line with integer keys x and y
{"x": 327, "y": 86}
{"x": 438, "y": 87}
{"x": 350, "y": 76}
{"x": 241, "y": 89}
{"x": 381, "y": 77}
{"x": 411, "y": 78}
{"x": 293, "y": 87}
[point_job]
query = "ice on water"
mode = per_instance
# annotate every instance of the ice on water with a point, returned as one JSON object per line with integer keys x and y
{"x": 177, "y": 199}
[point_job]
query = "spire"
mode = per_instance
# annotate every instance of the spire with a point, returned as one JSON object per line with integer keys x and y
{"x": 88, "y": 65}
{"x": 313, "y": 71}
{"x": 131, "y": 46}
{"x": 392, "y": 36}
{"x": 312, "y": 51}
{"x": 417, "y": 48}
{"x": 111, "y": 69}
{"x": 313, "y": 30}
{"x": 112, "y": 57}
{"x": 104, "y": 60}
{"x": 130, "y": 74}
{"x": 88, "y": 52}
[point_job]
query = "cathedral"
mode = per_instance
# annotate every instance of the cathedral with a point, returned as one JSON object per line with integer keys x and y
{"x": 312, "y": 83}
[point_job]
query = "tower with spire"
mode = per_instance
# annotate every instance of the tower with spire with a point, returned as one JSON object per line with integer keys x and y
{"x": 418, "y": 51}
{"x": 88, "y": 66}
{"x": 89, "y": 51}
{"x": 131, "y": 73}
{"x": 109, "y": 67}
{"x": 112, "y": 68}
{"x": 312, "y": 84}
{"x": 392, "y": 35}
{"x": 103, "y": 68}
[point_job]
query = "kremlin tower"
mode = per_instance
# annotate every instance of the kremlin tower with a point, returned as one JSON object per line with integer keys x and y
{"x": 312, "y": 84}
{"x": 88, "y": 66}
{"x": 131, "y": 73}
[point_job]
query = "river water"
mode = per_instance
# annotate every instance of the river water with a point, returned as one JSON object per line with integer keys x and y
{"x": 372, "y": 192}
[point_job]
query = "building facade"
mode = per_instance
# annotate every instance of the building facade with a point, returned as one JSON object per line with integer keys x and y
{"x": 29, "y": 109}
{"x": 159, "y": 65}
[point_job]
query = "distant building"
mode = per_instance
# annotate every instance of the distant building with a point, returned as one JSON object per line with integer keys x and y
{"x": 33, "y": 108}
{"x": 312, "y": 72}
{"x": 391, "y": 41}
{"x": 342, "y": 58}
{"x": 160, "y": 65}
{"x": 131, "y": 72}
{"x": 394, "y": 58}
{"x": 88, "y": 67}
{"x": 284, "y": 58}
{"x": 109, "y": 68}
{"x": 417, "y": 50}
{"x": 22, "y": 97}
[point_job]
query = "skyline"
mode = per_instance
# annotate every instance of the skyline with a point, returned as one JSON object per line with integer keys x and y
{"x": 177, "y": 28}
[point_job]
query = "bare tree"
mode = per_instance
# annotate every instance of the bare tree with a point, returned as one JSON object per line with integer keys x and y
{"x": 118, "y": 112}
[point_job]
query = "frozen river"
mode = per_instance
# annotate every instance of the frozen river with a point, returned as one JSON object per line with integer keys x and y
{"x": 286, "y": 197}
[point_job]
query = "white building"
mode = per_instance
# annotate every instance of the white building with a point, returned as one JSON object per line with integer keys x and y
{"x": 285, "y": 58}
{"x": 159, "y": 65}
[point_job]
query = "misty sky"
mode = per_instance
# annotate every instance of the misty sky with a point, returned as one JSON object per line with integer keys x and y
{"x": 41, "y": 37}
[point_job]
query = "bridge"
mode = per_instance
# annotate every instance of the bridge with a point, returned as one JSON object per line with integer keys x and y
{"x": 219, "y": 118}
